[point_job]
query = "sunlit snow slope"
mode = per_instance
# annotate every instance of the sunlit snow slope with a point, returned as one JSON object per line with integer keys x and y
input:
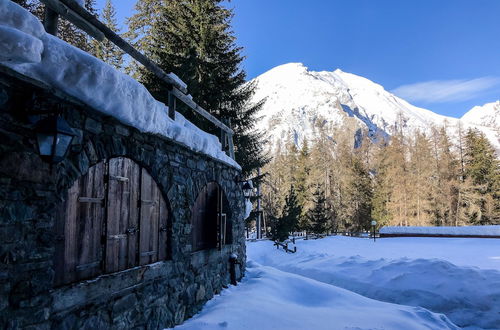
{"x": 298, "y": 101}
{"x": 486, "y": 115}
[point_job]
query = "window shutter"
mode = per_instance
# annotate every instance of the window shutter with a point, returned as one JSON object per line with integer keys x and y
{"x": 122, "y": 214}
{"x": 149, "y": 219}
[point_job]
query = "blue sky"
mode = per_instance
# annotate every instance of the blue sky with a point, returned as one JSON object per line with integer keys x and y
{"x": 443, "y": 55}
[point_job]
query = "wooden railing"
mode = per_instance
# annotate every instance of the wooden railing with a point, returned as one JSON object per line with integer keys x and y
{"x": 285, "y": 247}
{"x": 84, "y": 20}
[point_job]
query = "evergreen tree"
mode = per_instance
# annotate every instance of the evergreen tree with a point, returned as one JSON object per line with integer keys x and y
{"x": 382, "y": 187}
{"x": 289, "y": 217}
{"x": 318, "y": 215}
{"x": 300, "y": 179}
{"x": 482, "y": 174}
{"x": 361, "y": 196}
{"x": 193, "y": 38}
{"x": 106, "y": 50}
{"x": 445, "y": 179}
{"x": 421, "y": 180}
{"x": 66, "y": 30}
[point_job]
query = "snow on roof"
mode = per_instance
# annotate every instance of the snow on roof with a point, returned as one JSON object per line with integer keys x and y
{"x": 26, "y": 48}
{"x": 458, "y": 231}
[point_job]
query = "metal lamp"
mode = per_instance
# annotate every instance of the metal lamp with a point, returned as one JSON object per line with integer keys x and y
{"x": 54, "y": 137}
{"x": 247, "y": 189}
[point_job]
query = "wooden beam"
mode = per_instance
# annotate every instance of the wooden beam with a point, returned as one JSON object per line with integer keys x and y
{"x": 50, "y": 21}
{"x": 231, "y": 145}
{"x": 171, "y": 105}
{"x": 196, "y": 108}
{"x": 63, "y": 10}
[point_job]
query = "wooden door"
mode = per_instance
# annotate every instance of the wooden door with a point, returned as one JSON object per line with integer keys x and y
{"x": 204, "y": 218}
{"x": 79, "y": 225}
{"x": 113, "y": 218}
{"x": 122, "y": 230}
{"x": 149, "y": 220}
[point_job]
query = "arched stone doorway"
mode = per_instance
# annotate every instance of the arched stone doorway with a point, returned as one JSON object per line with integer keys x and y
{"x": 112, "y": 218}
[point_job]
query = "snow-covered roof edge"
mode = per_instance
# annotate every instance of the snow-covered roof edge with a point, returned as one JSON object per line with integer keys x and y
{"x": 26, "y": 48}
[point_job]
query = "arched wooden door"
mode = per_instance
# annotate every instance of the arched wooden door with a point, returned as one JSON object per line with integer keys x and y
{"x": 113, "y": 218}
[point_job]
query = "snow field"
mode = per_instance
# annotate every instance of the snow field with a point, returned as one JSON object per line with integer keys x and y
{"x": 354, "y": 283}
{"x": 457, "y": 277}
{"x": 27, "y": 49}
{"x": 268, "y": 298}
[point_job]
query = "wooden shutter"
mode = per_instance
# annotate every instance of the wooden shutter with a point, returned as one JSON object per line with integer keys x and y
{"x": 163, "y": 230}
{"x": 64, "y": 260}
{"x": 204, "y": 218}
{"x": 149, "y": 219}
{"x": 122, "y": 230}
{"x": 79, "y": 225}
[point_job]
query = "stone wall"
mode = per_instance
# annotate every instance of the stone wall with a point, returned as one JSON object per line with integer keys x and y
{"x": 152, "y": 296}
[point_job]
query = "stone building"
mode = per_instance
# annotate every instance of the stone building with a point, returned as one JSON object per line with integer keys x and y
{"x": 129, "y": 230}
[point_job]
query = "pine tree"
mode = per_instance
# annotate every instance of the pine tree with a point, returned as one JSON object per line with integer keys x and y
{"x": 421, "y": 181}
{"x": 193, "y": 38}
{"x": 289, "y": 217}
{"x": 382, "y": 187}
{"x": 300, "y": 179}
{"x": 445, "y": 179}
{"x": 482, "y": 172}
{"x": 361, "y": 196}
{"x": 106, "y": 50}
{"x": 318, "y": 215}
{"x": 66, "y": 30}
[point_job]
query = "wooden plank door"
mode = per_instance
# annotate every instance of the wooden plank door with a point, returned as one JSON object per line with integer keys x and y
{"x": 65, "y": 237}
{"x": 89, "y": 222}
{"x": 198, "y": 213}
{"x": 163, "y": 244}
{"x": 204, "y": 218}
{"x": 122, "y": 230}
{"x": 79, "y": 227}
{"x": 149, "y": 219}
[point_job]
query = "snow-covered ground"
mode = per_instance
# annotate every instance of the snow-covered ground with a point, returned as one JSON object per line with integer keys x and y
{"x": 354, "y": 283}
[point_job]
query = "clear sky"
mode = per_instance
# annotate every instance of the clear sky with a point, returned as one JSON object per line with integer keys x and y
{"x": 443, "y": 55}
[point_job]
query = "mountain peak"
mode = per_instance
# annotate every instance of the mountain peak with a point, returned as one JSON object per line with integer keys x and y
{"x": 486, "y": 115}
{"x": 299, "y": 102}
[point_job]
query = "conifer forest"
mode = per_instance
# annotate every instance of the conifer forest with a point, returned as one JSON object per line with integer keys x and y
{"x": 409, "y": 179}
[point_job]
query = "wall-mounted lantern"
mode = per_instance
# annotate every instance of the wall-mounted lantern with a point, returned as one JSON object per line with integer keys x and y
{"x": 247, "y": 189}
{"x": 54, "y": 137}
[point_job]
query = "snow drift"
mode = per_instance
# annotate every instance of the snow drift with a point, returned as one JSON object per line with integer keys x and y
{"x": 271, "y": 299}
{"x": 457, "y": 277}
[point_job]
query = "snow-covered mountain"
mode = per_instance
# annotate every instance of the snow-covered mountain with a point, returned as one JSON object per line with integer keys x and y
{"x": 486, "y": 115}
{"x": 298, "y": 100}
